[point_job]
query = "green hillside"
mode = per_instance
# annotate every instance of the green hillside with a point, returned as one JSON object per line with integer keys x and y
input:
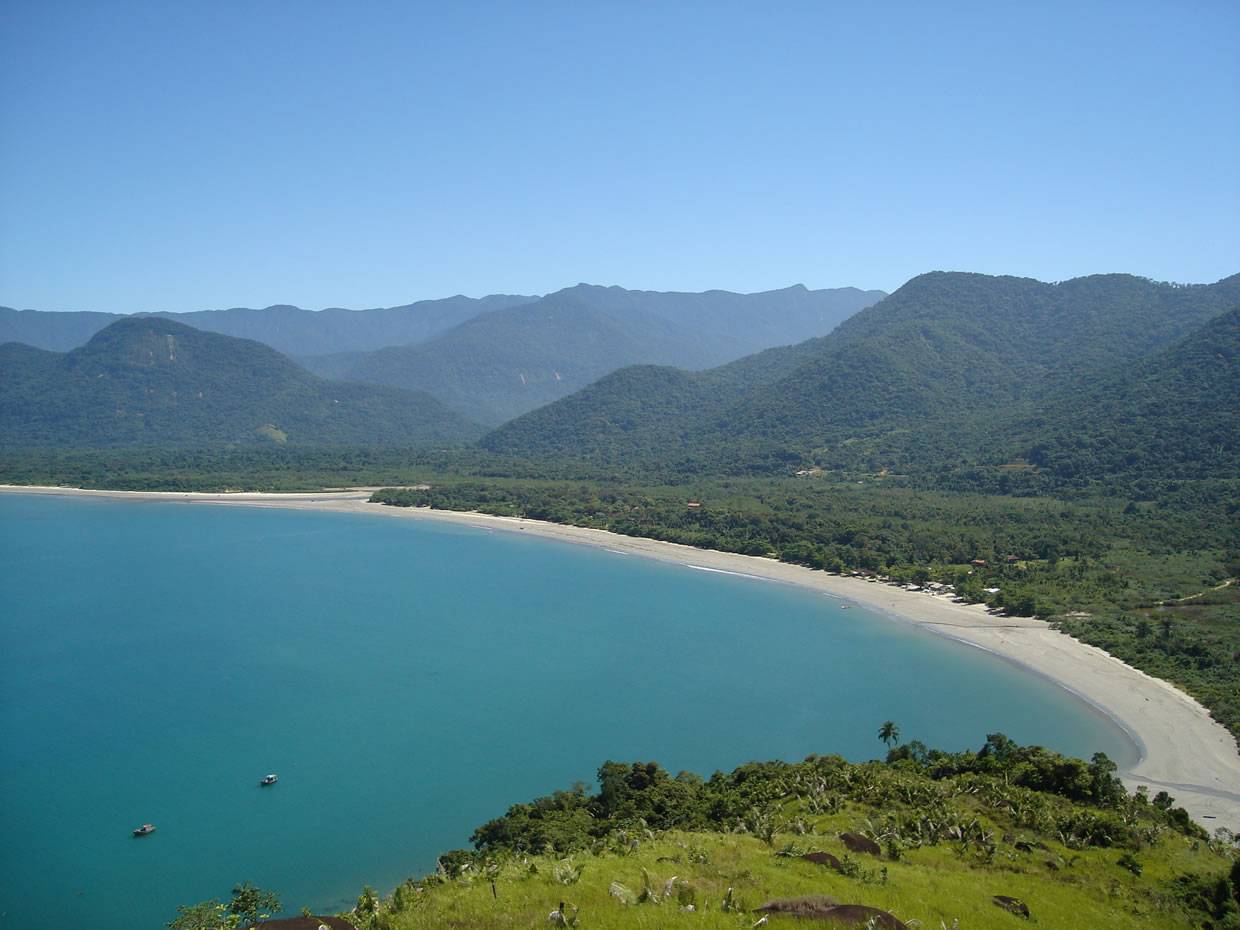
{"x": 948, "y": 346}
{"x": 145, "y": 381}
{"x": 1007, "y": 836}
{"x": 502, "y": 364}
{"x": 934, "y": 375}
{"x": 642, "y": 413}
{"x": 1172, "y": 415}
{"x": 20, "y": 364}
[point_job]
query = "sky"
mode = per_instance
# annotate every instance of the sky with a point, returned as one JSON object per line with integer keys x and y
{"x": 189, "y": 155}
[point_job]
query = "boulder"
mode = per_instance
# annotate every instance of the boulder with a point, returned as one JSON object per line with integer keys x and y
{"x": 823, "y": 858}
{"x": 860, "y": 844}
{"x": 1008, "y": 903}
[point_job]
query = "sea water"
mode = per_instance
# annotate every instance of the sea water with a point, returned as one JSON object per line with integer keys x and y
{"x": 408, "y": 681}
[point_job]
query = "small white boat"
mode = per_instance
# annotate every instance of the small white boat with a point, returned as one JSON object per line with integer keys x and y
{"x": 269, "y": 780}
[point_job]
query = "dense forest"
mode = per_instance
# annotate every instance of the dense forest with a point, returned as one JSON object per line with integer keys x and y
{"x": 952, "y": 371}
{"x": 149, "y": 381}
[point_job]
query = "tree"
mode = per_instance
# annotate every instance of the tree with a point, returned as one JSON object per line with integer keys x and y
{"x": 205, "y": 915}
{"x": 367, "y": 906}
{"x": 889, "y": 733}
{"x": 252, "y": 904}
{"x": 1105, "y": 788}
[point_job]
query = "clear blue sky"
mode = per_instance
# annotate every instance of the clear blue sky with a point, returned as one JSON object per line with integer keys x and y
{"x": 190, "y": 155}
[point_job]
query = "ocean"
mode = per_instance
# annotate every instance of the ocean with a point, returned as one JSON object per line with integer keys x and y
{"x": 408, "y": 681}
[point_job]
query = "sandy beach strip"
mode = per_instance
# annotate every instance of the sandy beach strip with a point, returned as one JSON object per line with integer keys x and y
{"x": 1182, "y": 750}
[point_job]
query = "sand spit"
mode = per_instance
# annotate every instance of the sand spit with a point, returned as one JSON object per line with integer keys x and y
{"x": 1182, "y": 750}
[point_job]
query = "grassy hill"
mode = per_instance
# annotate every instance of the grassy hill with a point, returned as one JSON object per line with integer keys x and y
{"x": 1007, "y": 836}
{"x": 148, "y": 381}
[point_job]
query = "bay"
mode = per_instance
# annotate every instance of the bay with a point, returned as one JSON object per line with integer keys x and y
{"x": 408, "y": 680}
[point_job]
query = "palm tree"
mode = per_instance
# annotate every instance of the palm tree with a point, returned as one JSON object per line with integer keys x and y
{"x": 889, "y": 733}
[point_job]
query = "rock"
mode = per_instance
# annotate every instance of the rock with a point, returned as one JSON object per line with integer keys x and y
{"x": 1015, "y": 905}
{"x": 813, "y": 906}
{"x": 823, "y": 907}
{"x": 860, "y": 844}
{"x": 852, "y": 915}
{"x": 823, "y": 858}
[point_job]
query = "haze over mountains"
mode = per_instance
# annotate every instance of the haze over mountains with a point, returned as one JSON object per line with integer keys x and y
{"x": 500, "y": 356}
{"x": 506, "y": 362}
{"x": 952, "y": 370}
{"x": 289, "y": 330}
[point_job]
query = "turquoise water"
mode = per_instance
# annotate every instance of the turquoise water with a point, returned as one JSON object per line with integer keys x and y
{"x": 408, "y": 681}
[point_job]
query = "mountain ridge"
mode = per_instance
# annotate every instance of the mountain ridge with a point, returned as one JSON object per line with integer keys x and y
{"x": 146, "y": 380}
{"x": 289, "y": 329}
{"x": 945, "y": 348}
{"x": 571, "y": 338}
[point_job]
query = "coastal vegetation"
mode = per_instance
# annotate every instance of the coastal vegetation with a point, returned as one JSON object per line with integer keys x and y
{"x": 1001, "y": 836}
{"x": 1067, "y": 451}
{"x": 1151, "y": 584}
{"x": 1146, "y": 578}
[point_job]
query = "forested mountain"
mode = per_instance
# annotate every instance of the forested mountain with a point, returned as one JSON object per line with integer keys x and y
{"x": 497, "y": 357}
{"x": 20, "y": 363}
{"x": 1173, "y": 414}
{"x": 644, "y": 412}
{"x": 504, "y": 363}
{"x": 146, "y": 380}
{"x": 938, "y": 357}
{"x": 290, "y": 330}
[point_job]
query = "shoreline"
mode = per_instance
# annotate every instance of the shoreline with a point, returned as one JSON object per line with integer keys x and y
{"x": 1180, "y": 748}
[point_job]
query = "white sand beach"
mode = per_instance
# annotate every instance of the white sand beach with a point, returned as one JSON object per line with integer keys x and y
{"x": 1182, "y": 750}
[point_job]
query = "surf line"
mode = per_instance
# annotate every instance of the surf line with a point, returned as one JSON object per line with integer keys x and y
{"x": 724, "y": 571}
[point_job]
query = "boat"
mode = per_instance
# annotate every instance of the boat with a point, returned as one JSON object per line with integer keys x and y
{"x": 144, "y": 829}
{"x": 269, "y": 780}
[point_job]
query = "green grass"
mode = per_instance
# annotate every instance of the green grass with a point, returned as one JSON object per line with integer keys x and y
{"x": 950, "y": 844}
{"x": 933, "y": 884}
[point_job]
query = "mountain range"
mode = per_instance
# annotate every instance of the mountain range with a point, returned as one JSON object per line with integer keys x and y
{"x": 950, "y": 367}
{"x": 290, "y": 330}
{"x": 1088, "y": 377}
{"x": 501, "y": 356}
{"x": 501, "y": 364}
{"x": 150, "y": 381}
